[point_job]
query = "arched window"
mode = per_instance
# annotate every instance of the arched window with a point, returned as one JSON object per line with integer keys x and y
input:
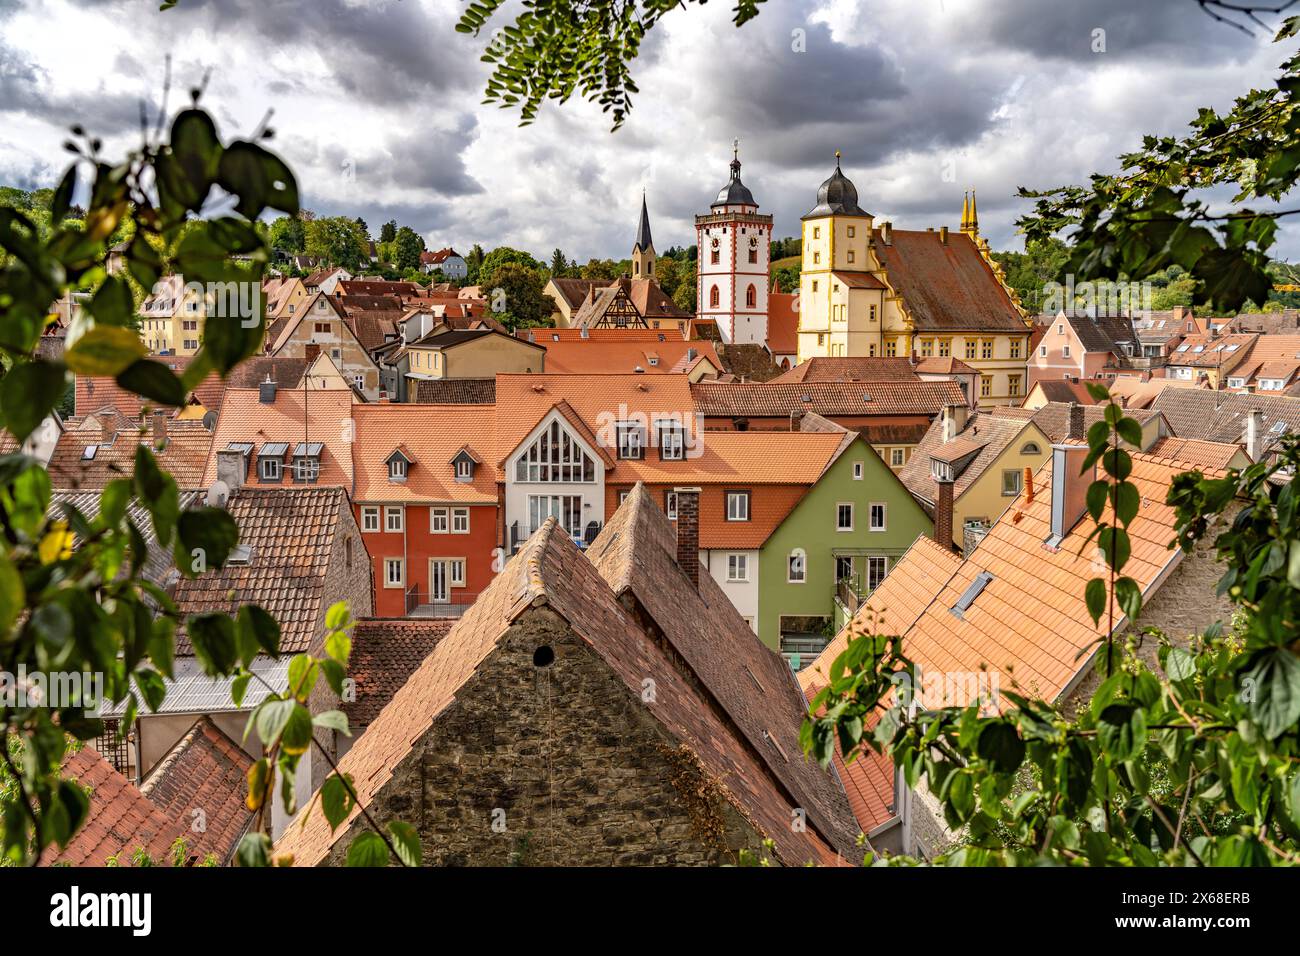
{"x": 751, "y": 297}
{"x": 713, "y": 297}
{"x": 1030, "y": 448}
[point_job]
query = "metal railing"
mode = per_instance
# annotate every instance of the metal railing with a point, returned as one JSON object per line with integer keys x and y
{"x": 418, "y": 603}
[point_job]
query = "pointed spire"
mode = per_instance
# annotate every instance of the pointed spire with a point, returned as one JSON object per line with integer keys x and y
{"x": 643, "y": 240}
{"x": 965, "y": 211}
{"x": 974, "y": 216}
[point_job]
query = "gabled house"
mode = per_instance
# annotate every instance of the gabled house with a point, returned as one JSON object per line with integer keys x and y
{"x": 94, "y": 449}
{"x": 427, "y": 504}
{"x": 631, "y": 304}
{"x": 985, "y": 458}
{"x": 568, "y": 295}
{"x": 322, "y": 328}
{"x": 1271, "y": 367}
{"x": 284, "y": 296}
{"x": 447, "y": 261}
{"x": 1080, "y": 346}
{"x": 1255, "y": 423}
{"x": 669, "y": 735}
{"x": 326, "y": 280}
{"x": 471, "y": 353}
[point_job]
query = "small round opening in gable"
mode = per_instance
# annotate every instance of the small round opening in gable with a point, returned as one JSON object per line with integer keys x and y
{"x": 544, "y": 656}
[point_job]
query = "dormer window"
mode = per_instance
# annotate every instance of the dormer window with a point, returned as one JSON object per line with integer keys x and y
{"x": 942, "y": 470}
{"x": 464, "y": 464}
{"x": 270, "y": 461}
{"x": 306, "y": 462}
{"x": 631, "y": 442}
{"x": 672, "y": 441}
{"x": 399, "y": 463}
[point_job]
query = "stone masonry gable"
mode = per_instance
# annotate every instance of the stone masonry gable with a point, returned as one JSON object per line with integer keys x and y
{"x": 549, "y": 705}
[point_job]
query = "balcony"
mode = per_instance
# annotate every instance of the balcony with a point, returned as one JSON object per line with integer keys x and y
{"x": 419, "y": 605}
{"x": 850, "y": 594}
{"x": 521, "y": 531}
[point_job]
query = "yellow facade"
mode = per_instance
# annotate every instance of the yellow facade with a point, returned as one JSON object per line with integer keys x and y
{"x": 988, "y": 495}
{"x": 180, "y": 332}
{"x": 848, "y": 308}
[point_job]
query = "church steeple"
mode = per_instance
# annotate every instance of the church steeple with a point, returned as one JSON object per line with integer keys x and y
{"x": 643, "y": 250}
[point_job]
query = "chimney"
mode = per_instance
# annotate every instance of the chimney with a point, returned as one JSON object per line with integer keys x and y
{"x": 1029, "y": 485}
{"x": 943, "y": 235}
{"x": 943, "y": 514}
{"x": 159, "y": 429}
{"x": 106, "y": 430}
{"x": 266, "y": 391}
{"x": 1069, "y": 489}
{"x": 887, "y": 233}
{"x": 954, "y": 420}
{"x": 690, "y": 355}
{"x": 688, "y": 533}
{"x": 1077, "y": 431}
{"x": 584, "y": 333}
{"x": 231, "y": 467}
{"x": 796, "y": 417}
{"x": 1254, "y": 419}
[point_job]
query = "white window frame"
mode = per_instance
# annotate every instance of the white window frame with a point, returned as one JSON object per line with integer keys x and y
{"x": 839, "y": 516}
{"x": 857, "y": 470}
{"x": 884, "y": 559}
{"x": 738, "y": 496}
{"x": 439, "y": 516}
{"x": 370, "y": 519}
{"x": 796, "y": 555}
{"x": 737, "y": 567}
{"x": 456, "y": 515}
{"x": 670, "y": 505}
{"x": 397, "y": 468}
{"x": 389, "y": 564}
{"x": 898, "y": 457}
{"x": 464, "y": 468}
{"x": 884, "y": 516}
{"x": 391, "y": 511}
{"x": 267, "y": 464}
{"x": 1019, "y": 480}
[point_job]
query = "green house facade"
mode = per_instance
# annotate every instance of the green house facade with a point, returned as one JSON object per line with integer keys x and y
{"x": 833, "y": 548}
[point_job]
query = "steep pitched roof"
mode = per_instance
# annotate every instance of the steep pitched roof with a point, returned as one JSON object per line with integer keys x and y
{"x": 1054, "y": 417}
{"x": 121, "y": 818}
{"x": 184, "y": 454}
{"x": 592, "y": 356}
{"x": 1213, "y": 351}
{"x": 204, "y": 770}
{"x": 573, "y": 291}
{"x": 782, "y": 323}
{"x": 433, "y": 434}
{"x": 1222, "y": 416}
{"x": 385, "y": 652}
{"x": 550, "y": 571}
{"x": 1205, "y": 454}
{"x": 1103, "y": 333}
{"x": 1063, "y": 390}
{"x": 946, "y": 286}
{"x": 985, "y": 437}
{"x": 290, "y": 535}
{"x": 245, "y": 418}
{"x": 636, "y": 555}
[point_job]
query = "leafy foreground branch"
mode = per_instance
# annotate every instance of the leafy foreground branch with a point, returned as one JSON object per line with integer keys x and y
{"x": 74, "y": 598}
{"x": 1193, "y": 763}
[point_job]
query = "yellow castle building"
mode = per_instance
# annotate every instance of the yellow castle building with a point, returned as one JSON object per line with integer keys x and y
{"x": 868, "y": 289}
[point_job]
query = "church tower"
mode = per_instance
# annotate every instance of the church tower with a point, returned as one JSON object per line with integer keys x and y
{"x": 643, "y": 250}
{"x": 734, "y": 244}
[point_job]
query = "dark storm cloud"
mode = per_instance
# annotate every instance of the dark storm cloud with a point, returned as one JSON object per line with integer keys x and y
{"x": 26, "y": 89}
{"x": 1064, "y": 31}
{"x": 380, "y": 53}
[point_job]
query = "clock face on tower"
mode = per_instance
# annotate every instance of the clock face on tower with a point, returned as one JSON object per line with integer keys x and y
{"x": 715, "y": 242}
{"x": 754, "y": 242}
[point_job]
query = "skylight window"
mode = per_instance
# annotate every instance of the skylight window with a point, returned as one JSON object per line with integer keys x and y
{"x": 89, "y": 452}
{"x": 971, "y": 593}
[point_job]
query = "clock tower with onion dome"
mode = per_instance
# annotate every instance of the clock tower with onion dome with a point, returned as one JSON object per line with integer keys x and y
{"x": 732, "y": 266}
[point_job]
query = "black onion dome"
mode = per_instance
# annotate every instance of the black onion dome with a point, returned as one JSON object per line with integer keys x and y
{"x": 837, "y": 196}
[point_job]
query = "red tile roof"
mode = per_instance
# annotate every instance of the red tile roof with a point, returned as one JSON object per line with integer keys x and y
{"x": 433, "y": 435}
{"x": 946, "y": 286}
{"x": 121, "y": 818}
{"x": 864, "y": 369}
{"x": 385, "y": 652}
{"x": 549, "y": 571}
{"x": 290, "y": 534}
{"x": 205, "y": 771}
{"x": 782, "y": 323}
{"x": 184, "y": 454}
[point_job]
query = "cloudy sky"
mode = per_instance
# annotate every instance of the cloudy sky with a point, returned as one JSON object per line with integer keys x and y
{"x": 377, "y": 106}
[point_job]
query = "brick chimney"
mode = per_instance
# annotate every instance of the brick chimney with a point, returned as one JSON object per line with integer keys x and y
{"x": 688, "y": 533}
{"x": 106, "y": 430}
{"x": 943, "y": 514}
{"x": 159, "y": 429}
{"x": 1077, "y": 431}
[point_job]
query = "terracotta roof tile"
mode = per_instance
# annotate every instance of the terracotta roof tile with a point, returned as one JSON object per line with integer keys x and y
{"x": 385, "y": 653}
{"x": 290, "y": 534}
{"x": 433, "y": 434}
{"x": 864, "y": 369}
{"x": 184, "y": 454}
{"x": 455, "y": 391}
{"x": 206, "y": 771}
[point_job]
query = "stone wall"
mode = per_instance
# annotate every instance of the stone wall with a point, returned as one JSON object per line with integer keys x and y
{"x": 557, "y": 763}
